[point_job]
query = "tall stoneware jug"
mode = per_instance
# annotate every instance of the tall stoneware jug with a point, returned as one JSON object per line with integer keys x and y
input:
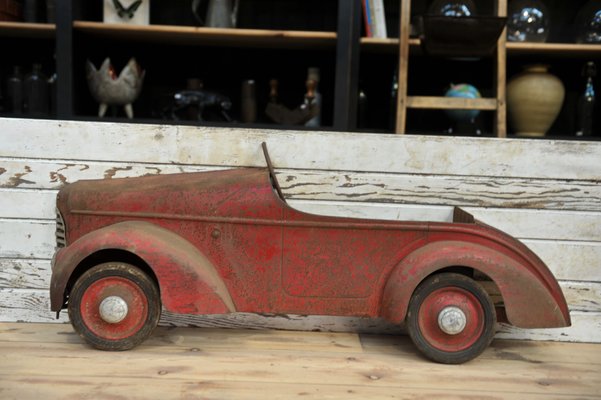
{"x": 534, "y": 99}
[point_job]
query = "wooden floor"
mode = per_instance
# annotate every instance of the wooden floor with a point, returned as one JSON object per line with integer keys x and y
{"x": 49, "y": 361}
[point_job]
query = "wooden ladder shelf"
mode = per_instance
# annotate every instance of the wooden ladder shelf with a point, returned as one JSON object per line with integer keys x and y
{"x": 497, "y": 104}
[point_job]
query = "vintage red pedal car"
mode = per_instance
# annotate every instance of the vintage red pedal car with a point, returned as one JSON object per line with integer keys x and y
{"x": 226, "y": 241}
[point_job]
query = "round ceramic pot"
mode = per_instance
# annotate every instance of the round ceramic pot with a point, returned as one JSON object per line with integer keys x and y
{"x": 534, "y": 99}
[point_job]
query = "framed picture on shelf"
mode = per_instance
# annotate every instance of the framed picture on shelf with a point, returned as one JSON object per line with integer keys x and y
{"x": 135, "y": 12}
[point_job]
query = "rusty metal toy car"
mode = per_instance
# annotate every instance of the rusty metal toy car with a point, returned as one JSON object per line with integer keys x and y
{"x": 226, "y": 241}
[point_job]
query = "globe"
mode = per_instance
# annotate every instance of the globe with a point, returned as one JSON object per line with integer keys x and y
{"x": 466, "y": 91}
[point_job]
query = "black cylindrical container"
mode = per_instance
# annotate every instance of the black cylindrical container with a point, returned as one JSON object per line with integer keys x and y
{"x": 36, "y": 97}
{"x": 14, "y": 91}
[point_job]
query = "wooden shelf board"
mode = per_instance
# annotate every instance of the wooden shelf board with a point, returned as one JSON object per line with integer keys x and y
{"x": 27, "y": 30}
{"x": 211, "y": 36}
{"x": 385, "y": 45}
{"x": 556, "y": 49}
{"x": 451, "y": 103}
{"x": 567, "y": 49}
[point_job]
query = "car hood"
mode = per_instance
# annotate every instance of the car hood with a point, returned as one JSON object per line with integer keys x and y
{"x": 241, "y": 192}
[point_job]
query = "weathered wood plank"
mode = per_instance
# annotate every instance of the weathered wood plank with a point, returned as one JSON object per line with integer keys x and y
{"x": 33, "y": 306}
{"x": 191, "y": 363}
{"x": 472, "y": 191}
{"x": 386, "y": 175}
{"x": 24, "y": 274}
{"x": 582, "y": 296}
{"x": 48, "y": 174}
{"x": 577, "y": 261}
{"x": 28, "y": 204}
{"x": 586, "y": 326}
{"x": 522, "y": 224}
{"x": 27, "y": 239}
{"x": 173, "y": 339}
{"x": 27, "y": 305}
{"x": 73, "y": 387}
{"x": 35, "y": 274}
{"x": 301, "y": 367}
{"x": 340, "y": 185}
{"x": 316, "y": 150}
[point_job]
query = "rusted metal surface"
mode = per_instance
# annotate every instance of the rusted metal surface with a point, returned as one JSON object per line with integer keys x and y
{"x": 114, "y": 308}
{"x": 224, "y": 241}
{"x": 532, "y": 297}
{"x": 188, "y": 281}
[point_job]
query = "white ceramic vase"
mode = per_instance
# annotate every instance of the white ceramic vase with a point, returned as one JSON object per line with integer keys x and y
{"x": 534, "y": 99}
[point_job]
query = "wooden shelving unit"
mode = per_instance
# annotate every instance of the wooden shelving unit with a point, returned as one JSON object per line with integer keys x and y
{"x": 391, "y": 45}
{"x": 388, "y": 45}
{"x": 555, "y": 49}
{"x": 27, "y": 30}
{"x": 209, "y": 36}
{"x": 337, "y": 46}
{"x": 405, "y": 101}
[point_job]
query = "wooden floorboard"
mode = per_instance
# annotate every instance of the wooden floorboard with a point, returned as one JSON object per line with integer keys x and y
{"x": 49, "y": 361}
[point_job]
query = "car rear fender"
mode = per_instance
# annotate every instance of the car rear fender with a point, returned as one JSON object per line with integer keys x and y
{"x": 188, "y": 281}
{"x": 530, "y": 301}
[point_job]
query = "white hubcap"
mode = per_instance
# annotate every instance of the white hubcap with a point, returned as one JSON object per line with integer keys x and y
{"x": 113, "y": 309}
{"x": 452, "y": 320}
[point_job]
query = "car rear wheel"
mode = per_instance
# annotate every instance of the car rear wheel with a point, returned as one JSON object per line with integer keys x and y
{"x": 114, "y": 306}
{"x": 451, "y": 318}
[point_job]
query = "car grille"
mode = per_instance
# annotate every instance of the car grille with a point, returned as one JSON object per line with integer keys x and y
{"x": 61, "y": 240}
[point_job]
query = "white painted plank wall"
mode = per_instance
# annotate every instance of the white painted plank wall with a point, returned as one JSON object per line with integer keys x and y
{"x": 546, "y": 193}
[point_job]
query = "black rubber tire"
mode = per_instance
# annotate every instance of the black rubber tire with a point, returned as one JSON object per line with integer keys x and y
{"x": 132, "y": 274}
{"x": 450, "y": 280}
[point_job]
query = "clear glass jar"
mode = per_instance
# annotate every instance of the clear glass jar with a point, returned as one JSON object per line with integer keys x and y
{"x": 527, "y": 21}
{"x": 447, "y": 8}
{"x": 588, "y": 23}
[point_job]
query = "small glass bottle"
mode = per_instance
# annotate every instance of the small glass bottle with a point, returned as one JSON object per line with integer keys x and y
{"x": 586, "y": 101}
{"x": 362, "y": 109}
{"x": 248, "y": 102}
{"x": 313, "y": 75}
{"x": 14, "y": 91}
{"x": 32, "y": 11}
{"x": 394, "y": 91}
{"x": 588, "y": 23}
{"x": 273, "y": 91}
{"x": 36, "y": 96}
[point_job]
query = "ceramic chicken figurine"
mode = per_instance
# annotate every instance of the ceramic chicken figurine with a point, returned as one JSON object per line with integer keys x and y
{"x": 109, "y": 89}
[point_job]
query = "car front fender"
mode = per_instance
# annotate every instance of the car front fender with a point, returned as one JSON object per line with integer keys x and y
{"x": 188, "y": 282}
{"x": 532, "y": 297}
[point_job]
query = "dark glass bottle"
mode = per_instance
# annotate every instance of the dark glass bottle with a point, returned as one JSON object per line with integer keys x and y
{"x": 362, "y": 110}
{"x": 2, "y": 99}
{"x": 32, "y": 11}
{"x": 248, "y": 102}
{"x": 14, "y": 91}
{"x": 394, "y": 90}
{"x": 36, "y": 98}
{"x": 313, "y": 74}
{"x": 586, "y": 102}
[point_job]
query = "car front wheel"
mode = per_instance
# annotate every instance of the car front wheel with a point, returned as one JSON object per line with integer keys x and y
{"x": 114, "y": 306}
{"x": 451, "y": 318}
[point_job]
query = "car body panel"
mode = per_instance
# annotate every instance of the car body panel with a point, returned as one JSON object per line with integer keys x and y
{"x": 188, "y": 282}
{"x": 529, "y": 303}
{"x": 270, "y": 258}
